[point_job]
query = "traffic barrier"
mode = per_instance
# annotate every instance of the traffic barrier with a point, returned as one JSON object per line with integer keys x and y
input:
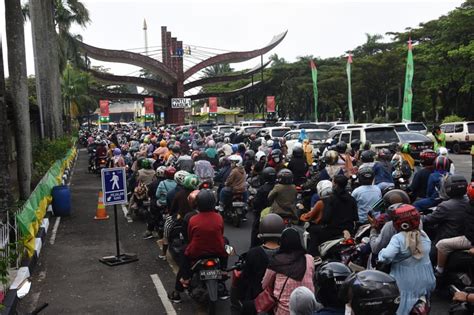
{"x": 101, "y": 213}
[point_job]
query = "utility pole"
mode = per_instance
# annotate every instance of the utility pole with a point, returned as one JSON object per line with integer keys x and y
{"x": 146, "y": 36}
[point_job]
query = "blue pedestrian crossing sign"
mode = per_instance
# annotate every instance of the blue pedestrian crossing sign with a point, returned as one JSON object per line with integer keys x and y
{"x": 114, "y": 186}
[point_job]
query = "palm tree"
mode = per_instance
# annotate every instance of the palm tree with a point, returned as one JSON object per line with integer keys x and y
{"x": 5, "y": 192}
{"x": 19, "y": 91}
{"x": 75, "y": 84}
{"x": 216, "y": 70}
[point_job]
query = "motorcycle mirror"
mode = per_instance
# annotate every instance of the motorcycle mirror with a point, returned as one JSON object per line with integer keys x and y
{"x": 229, "y": 250}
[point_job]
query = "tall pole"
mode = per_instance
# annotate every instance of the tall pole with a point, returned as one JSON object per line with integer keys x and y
{"x": 146, "y": 36}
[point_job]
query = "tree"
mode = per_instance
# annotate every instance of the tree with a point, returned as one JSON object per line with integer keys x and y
{"x": 5, "y": 191}
{"x": 19, "y": 91}
{"x": 46, "y": 49}
{"x": 216, "y": 70}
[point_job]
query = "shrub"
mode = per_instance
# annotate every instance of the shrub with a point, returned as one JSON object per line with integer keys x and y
{"x": 46, "y": 152}
{"x": 452, "y": 118}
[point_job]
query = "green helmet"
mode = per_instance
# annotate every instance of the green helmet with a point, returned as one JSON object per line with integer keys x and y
{"x": 146, "y": 164}
{"x": 191, "y": 182}
{"x": 405, "y": 148}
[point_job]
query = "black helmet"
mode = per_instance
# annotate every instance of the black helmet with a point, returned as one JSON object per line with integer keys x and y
{"x": 277, "y": 155}
{"x": 442, "y": 163}
{"x": 355, "y": 144}
{"x": 393, "y": 147}
{"x": 395, "y": 196}
{"x": 455, "y": 186}
{"x": 331, "y": 157}
{"x": 205, "y": 200}
{"x": 367, "y": 156}
{"x": 271, "y": 226}
{"x": 366, "y": 175}
{"x": 371, "y": 292}
{"x": 285, "y": 177}
{"x": 341, "y": 147}
{"x": 427, "y": 157}
{"x": 329, "y": 278}
{"x": 367, "y": 145}
{"x": 241, "y": 147}
{"x": 176, "y": 149}
{"x": 385, "y": 154}
{"x": 268, "y": 175}
{"x": 250, "y": 154}
{"x": 298, "y": 152}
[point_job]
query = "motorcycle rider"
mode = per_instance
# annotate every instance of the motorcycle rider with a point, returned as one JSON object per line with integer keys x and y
{"x": 254, "y": 143}
{"x": 367, "y": 193}
{"x": 362, "y": 291}
{"x": 448, "y": 219}
{"x": 268, "y": 178}
{"x": 329, "y": 279}
{"x": 409, "y": 255}
{"x": 206, "y": 238}
{"x": 256, "y": 261}
{"x": 118, "y": 160}
{"x": 307, "y": 151}
{"x": 185, "y": 162}
{"x": 439, "y": 138}
{"x": 276, "y": 160}
{"x": 154, "y": 216}
{"x": 203, "y": 168}
{"x": 298, "y": 166}
{"x": 419, "y": 183}
{"x": 441, "y": 168}
{"x": 332, "y": 168}
{"x": 235, "y": 183}
{"x": 367, "y": 158}
{"x": 283, "y": 196}
{"x": 383, "y": 170}
{"x": 100, "y": 152}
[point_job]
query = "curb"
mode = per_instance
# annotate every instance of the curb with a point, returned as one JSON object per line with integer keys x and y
{"x": 27, "y": 266}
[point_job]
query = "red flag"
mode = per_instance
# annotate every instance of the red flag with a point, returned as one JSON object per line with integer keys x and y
{"x": 349, "y": 59}
{"x": 409, "y": 43}
{"x": 104, "y": 108}
{"x": 149, "y": 105}
{"x": 270, "y": 104}
{"x": 313, "y": 66}
{"x": 212, "y": 104}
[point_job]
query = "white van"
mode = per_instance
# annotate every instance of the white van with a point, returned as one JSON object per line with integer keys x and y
{"x": 379, "y": 136}
{"x": 246, "y": 123}
{"x": 459, "y": 135}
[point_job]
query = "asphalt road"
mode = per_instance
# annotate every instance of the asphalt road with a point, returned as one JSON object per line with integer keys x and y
{"x": 71, "y": 279}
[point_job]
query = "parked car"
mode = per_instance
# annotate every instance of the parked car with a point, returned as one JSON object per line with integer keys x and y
{"x": 459, "y": 135}
{"x": 225, "y": 130}
{"x": 379, "y": 136}
{"x": 418, "y": 142}
{"x": 274, "y": 132}
{"x": 285, "y": 123}
{"x": 316, "y": 136}
{"x": 335, "y": 128}
{"x": 411, "y": 126}
{"x": 251, "y": 123}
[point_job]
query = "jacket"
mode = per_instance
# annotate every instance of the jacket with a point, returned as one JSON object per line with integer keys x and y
{"x": 236, "y": 180}
{"x": 299, "y": 167}
{"x": 340, "y": 212}
{"x": 469, "y": 230}
{"x": 282, "y": 199}
{"x": 261, "y": 197}
{"x": 449, "y": 217}
{"x": 206, "y": 235}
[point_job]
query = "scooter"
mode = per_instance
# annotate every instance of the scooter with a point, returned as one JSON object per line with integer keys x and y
{"x": 176, "y": 243}
{"x": 235, "y": 212}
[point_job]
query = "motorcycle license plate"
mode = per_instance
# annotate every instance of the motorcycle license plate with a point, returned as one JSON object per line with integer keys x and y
{"x": 213, "y": 274}
{"x": 146, "y": 203}
{"x": 238, "y": 204}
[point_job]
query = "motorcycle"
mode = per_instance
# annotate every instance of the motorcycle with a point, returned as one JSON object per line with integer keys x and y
{"x": 235, "y": 291}
{"x": 206, "y": 281}
{"x": 176, "y": 243}
{"x": 101, "y": 163}
{"x": 459, "y": 270}
{"x": 461, "y": 308}
{"x": 235, "y": 212}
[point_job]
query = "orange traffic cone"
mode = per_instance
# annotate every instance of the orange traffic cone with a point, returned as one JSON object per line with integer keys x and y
{"x": 101, "y": 213}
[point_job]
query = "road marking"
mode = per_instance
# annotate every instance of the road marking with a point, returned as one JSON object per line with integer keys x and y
{"x": 125, "y": 214}
{"x": 55, "y": 230}
{"x": 169, "y": 309}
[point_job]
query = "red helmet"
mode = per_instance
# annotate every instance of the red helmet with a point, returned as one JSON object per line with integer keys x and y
{"x": 405, "y": 218}
{"x": 427, "y": 157}
{"x": 169, "y": 172}
{"x": 470, "y": 191}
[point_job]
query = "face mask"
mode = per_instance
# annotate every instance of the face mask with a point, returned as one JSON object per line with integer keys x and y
{"x": 277, "y": 160}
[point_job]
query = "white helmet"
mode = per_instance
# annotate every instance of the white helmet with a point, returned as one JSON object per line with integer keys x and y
{"x": 160, "y": 172}
{"x": 211, "y": 144}
{"x": 442, "y": 151}
{"x": 237, "y": 159}
{"x": 259, "y": 155}
{"x": 180, "y": 176}
{"x": 324, "y": 188}
{"x": 270, "y": 143}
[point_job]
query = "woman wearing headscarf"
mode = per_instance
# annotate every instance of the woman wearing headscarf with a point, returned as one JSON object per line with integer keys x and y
{"x": 302, "y": 136}
{"x": 287, "y": 270}
{"x": 303, "y": 302}
{"x": 408, "y": 252}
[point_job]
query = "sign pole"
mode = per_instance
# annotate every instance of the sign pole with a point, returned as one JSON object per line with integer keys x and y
{"x": 115, "y": 192}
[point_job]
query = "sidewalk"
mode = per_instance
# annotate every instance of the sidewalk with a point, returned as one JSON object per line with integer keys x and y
{"x": 69, "y": 276}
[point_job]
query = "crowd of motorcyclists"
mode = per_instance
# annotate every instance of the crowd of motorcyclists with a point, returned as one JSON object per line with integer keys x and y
{"x": 317, "y": 216}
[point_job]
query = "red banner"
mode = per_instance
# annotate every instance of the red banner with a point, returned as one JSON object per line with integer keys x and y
{"x": 104, "y": 108}
{"x": 149, "y": 105}
{"x": 270, "y": 104}
{"x": 212, "y": 104}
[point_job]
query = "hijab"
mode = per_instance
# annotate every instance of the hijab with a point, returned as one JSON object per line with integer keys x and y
{"x": 290, "y": 258}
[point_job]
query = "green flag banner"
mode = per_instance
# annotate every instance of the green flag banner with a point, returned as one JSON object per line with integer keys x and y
{"x": 349, "y": 90}
{"x": 314, "y": 74}
{"x": 408, "y": 95}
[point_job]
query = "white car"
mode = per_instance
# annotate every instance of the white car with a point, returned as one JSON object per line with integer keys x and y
{"x": 273, "y": 132}
{"x": 226, "y": 130}
{"x": 315, "y": 136}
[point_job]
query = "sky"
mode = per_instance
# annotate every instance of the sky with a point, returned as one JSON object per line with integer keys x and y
{"x": 322, "y": 28}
